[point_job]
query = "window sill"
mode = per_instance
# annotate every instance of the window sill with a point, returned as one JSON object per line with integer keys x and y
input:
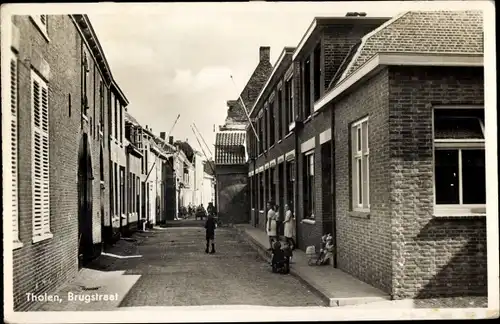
{"x": 459, "y": 212}
{"x": 459, "y": 215}
{"x": 288, "y": 135}
{"x": 309, "y": 221}
{"x": 43, "y": 237}
{"x": 359, "y": 214}
{"x": 17, "y": 245}
{"x": 271, "y": 147}
{"x": 308, "y": 119}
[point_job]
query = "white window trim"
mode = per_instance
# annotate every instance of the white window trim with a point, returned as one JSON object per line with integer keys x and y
{"x": 45, "y": 234}
{"x": 41, "y": 26}
{"x": 457, "y": 210}
{"x": 307, "y": 156}
{"x": 357, "y": 154}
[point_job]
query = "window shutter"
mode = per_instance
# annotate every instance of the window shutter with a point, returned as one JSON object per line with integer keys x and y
{"x": 40, "y": 157}
{"x": 13, "y": 107}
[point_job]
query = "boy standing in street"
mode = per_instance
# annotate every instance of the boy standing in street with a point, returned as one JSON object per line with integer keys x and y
{"x": 210, "y": 233}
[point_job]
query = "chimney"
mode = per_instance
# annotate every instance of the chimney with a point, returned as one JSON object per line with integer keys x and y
{"x": 171, "y": 140}
{"x": 162, "y": 135}
{"x": 356, "y": 14}
{"x": 264, "y": 53}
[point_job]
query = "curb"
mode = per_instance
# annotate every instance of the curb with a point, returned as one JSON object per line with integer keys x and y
{"x": 266, "y": 255}
{"x": 303, "y": 278}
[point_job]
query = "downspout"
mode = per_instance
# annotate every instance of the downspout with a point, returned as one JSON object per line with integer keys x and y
{"x": 333, "y": 193}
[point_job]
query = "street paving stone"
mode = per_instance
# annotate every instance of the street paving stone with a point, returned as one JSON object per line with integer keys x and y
{"x": 176, "y": 271}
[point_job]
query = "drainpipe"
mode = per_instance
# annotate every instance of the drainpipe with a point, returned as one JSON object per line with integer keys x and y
{"x": 334, "y": 200}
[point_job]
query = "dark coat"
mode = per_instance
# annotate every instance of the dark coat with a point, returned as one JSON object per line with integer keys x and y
{"x": 210, "y": 226}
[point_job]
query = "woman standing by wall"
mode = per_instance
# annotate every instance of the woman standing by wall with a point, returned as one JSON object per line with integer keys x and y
{"x": 289, "y": 226}
{"x": 271, "y": 225}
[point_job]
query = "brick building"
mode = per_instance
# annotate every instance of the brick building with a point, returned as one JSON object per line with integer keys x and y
{"x": 231, "y": 170}
{"x": 272, "y": 113}
{"x": 293, "y": 160}
{"x": 59, "y": 92}
{"x": 407, "y": 207}
{"x": 409, "y": 156}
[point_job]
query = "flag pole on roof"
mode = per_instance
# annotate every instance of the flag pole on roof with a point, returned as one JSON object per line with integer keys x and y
{"x": 246, "y": 112}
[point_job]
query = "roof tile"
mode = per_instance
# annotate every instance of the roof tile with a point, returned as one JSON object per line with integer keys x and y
{"x": 230, "y": 148}
{"x": 423, "y": 32}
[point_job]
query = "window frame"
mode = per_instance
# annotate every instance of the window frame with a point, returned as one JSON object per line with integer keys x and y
{"x": 41, "y": 26}
{"x": 460, "y": 209}
{"x": 309, "y": 162}
{"x": 44, "y": 232}
{"x": 360, "y": 156}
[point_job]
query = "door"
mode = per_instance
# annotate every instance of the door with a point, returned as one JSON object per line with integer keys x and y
{"x": 85, "y": 246}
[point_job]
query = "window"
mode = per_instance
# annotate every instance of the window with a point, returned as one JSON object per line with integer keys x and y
{"x": 262, "y": 189}
{"x": 290, "y": 179}
{"x": 266, "y": 129}
{"x": 289, "y": 103}
{"x": 115, "y": 120}
{"x": 41, "y": 23}
{"x": 122, "y": 190}
{"x": 40, "y": 158}
{"x": 261, "y": 135}
{"x": 101, "y": 106}
{"x": 317, "y": 72}
{"x": 272, "y": 122}
{"x": 280, "y": 115}
{"x": 309, "y": 185}
{"x": 307, "y": 88}
{"x": 459, "y": 161}
{"x": 13, "y": 93}
{"x": 85, "y": 83}
{"x": 112, "y": 189}
{"x": 360, "y": 166}
{"x": 121, "y": 122}
{"x": 272, "y": 184}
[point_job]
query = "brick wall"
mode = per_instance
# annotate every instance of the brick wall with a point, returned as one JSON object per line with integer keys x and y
{"x": 232, "y": 195}
{"x": 364, "y": 244}
{"x": 43, "y": 266}
{"x": 310, "y": 234}
{"x": 432, "y": 256}
{"x": 337, "y": 41}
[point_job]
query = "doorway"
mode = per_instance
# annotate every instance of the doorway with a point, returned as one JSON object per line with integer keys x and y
{"x": 85, "y": 177}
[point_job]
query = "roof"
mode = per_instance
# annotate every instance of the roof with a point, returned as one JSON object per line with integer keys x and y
{"x": 286, "y": 52}
{"x": 230, "y": 148}
{"x": 419, "y": 32}
{"x": 319, "y": 22}
{"x": 131, "y": 119}
{"x": 88, "y": 33}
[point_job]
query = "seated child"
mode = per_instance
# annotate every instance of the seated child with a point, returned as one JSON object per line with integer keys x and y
{"x": 280, "y": 261}
{"x": 327, "y": 251}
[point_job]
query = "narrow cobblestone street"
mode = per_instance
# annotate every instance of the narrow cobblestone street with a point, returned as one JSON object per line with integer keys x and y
{"x": 175, "y": 271}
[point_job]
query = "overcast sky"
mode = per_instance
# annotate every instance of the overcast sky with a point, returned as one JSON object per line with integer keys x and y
{"x": 177, "y": 58}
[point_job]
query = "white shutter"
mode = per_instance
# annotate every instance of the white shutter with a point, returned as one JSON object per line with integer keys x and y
{"x": 14, "y": 141}
{"x": 40, "y": 156}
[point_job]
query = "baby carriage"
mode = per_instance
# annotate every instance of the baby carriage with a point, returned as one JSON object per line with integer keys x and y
{"x": 325, "y": 253}
{"x": 280, "y": 260}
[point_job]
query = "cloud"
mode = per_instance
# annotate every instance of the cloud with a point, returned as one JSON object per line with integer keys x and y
{"x": 185, "y": 81}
